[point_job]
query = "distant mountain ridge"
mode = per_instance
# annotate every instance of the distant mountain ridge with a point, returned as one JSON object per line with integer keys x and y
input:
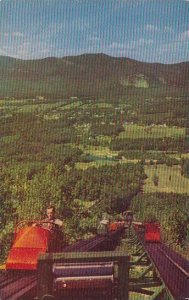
{"x": 86, "y": 74}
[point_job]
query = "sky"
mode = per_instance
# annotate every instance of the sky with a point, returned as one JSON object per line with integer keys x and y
{"x": 145, "y": 30}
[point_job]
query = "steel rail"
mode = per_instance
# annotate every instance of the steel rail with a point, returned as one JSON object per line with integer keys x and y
{"x": 16, "y": 288}
{"x": 176, "y": 264}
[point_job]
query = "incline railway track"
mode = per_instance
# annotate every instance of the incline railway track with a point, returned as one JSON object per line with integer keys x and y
{"x": 171, "y": 266}
{"x": 173, "y": 269}
{"x": 16, "y": 285}
{"x": 22, "y": 285}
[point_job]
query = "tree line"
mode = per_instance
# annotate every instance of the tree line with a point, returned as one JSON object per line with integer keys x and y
{"x": 157, "y": 144}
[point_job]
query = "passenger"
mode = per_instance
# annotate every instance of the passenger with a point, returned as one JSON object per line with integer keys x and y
{"x": 53, "y": 222}
{"x": 128, "y": 215}
{"x": 50, "y": 222}
{"x": 103, "y": 226}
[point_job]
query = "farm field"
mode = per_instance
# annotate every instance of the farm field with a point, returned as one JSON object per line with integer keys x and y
{"x": 135, "y": 131}
{"x": 178, "y": 156}
{"x": 170, "y": 180}
{"x": 99, "y": 163}
{"x": 99, "y": 151}
{"x": 103, "y": 162}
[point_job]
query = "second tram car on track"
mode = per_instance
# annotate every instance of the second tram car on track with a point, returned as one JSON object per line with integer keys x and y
{"x": 152, "y": 232}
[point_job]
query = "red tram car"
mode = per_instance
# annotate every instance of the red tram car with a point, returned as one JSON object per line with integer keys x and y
{"x": 30, "y": 239}
{"x": 152, "y": 232}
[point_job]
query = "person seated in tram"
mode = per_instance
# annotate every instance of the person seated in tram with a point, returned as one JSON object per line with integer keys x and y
{"x": 103, "y": 226}
{"x": 52, "y": 221}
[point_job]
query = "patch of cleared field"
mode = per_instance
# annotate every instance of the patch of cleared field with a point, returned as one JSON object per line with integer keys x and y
{"x": 185, "y": 155}
{"x": 170, "y": 180}
{"x": 98, "y": 151}
{"x": 9, "y": 138}
{"x": 99, "y": 163}
{"x": 71, "y": 105}
{"x": 12, "y": 102}
{"x": 84, "y": 166}
{"x": 103, "y": 138}
{"x": 33, "y": 108}
{"x": 52, "y": 117}
{"x": 178, "y": 155}
{"x": 101, "y": 105}
{"x": 134, "y": 131}
{"x": 127, "y": 160}
{"x": 97, "y": 105}
{"x": 29, "y": 106}
{"x": 175, "y": 155}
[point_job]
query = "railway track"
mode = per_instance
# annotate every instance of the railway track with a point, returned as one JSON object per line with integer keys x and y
{"x": 22, "y": 285}
{"x": 173, "y": 269}
{"x": 17, "y": 285}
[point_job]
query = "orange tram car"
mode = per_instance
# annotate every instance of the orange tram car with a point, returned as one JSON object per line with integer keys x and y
{"x": 150, "y": 231}
{"x": 30, "y": 239}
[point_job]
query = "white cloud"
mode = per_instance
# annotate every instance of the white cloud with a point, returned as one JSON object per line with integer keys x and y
{"x": 116, "y": 45}
{"x": 152, "y": 28}
{"x": 131, "y": 45}
{"x": 17, "y": 34}
{"x": 94, "y": 39}
{"x": 168, "y": 29}
{"x": 13, "y": 34}
{"x": 55, "y": 27}
{"x": 3, "y": 34}
{"x": 26, "y": 50}
{"x": 184, "y": 36}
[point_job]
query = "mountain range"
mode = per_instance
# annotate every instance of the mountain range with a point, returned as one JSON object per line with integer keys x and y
{"x": 87, "y": 74}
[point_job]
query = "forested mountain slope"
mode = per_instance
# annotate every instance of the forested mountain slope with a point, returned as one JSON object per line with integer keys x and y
{"x": 87, "y": 74}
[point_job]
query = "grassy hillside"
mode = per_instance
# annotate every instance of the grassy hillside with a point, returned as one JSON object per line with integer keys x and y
{"x": 135, "y": 131}
{"x": 170, "y": 180}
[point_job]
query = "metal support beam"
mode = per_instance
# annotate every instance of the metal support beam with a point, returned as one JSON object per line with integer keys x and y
{"x": 139, "y": 250}
{"x": 141, "y": 258}
{"x": 160, "y": 293}
{"x": 145, "y": 272}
